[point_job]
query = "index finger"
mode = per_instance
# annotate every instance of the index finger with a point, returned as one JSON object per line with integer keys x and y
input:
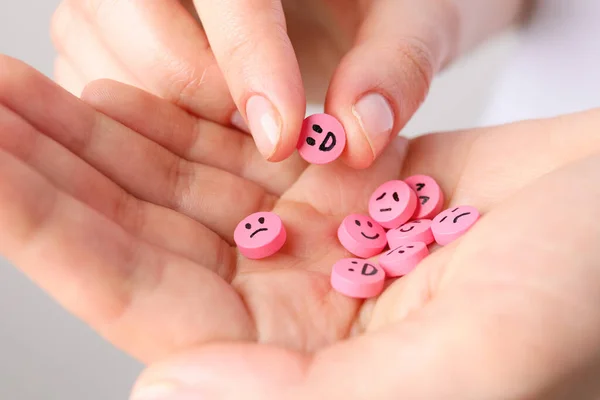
{"x": 250, "y": 42}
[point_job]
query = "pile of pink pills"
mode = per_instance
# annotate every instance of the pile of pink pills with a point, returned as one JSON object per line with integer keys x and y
{"x": 405, "y": 217}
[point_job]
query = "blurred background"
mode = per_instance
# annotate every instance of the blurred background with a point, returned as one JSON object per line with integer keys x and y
{"x": 47, "y": 354}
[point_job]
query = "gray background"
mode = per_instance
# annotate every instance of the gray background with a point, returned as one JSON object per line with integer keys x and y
{"x": 47, "y": 354}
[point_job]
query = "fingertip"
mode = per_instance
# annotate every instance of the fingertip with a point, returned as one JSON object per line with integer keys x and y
{"x": 376, "y": 99}
{"x": 276, "y": 135}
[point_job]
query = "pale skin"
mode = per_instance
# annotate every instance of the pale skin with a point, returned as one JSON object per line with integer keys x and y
{"x": 370, "y": 61}
{"x": 123, "y": 210}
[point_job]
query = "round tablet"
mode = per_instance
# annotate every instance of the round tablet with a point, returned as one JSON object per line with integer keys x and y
{"x": 260, "y": 235}
{"x": 413, "y": 231}
{"x": 402, "y": 259}
{"x": 429, "y": 194}
{"x": 361, "y": 235}
{"x": 322, "y": 139}
{"x": 392, "y": 204}
{"x": 357, "y": 278}
{"x": 452, "y": 223}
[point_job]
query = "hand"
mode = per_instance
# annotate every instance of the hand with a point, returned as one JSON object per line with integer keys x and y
{"x": 379, "y": 55}
{"x": 507, "y": 312}
{"x": 132, "y": 232}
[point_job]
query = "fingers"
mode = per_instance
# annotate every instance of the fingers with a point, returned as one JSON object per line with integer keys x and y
{"x": 483, "y": 167}
{"x": 78, "y": 45}
{"x": 251, "y": 45}
{"x": 156, "y": 225}
{"x": 401, "y": 45}
{"x": 130, "y": 159}
{"x": 192, "y": 138}
{"x": 121, "y": 286}
{"x": 166, "y": 51}
{"x": 475, "y": 333}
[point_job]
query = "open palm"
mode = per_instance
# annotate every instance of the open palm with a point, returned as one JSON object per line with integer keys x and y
{"x": 129, "y": 224}
{"x": 131, "y": 227}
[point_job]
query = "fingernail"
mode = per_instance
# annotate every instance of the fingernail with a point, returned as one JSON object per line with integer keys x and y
{"x": 265, "y": 124}
{"x": 375, "y": 116}
{"x": 238, "y": 121}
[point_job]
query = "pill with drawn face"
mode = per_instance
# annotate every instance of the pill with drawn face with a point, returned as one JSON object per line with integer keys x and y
{"x": 413, "y": 231}
{"x": 452, "y": 223}
{"x": 361, "y": 235}
{"x": 402, "y": 259}
{"x": 260, "y": 235}
{"x": 392, "y": 204}
{"x": 357, "y": 278}
{"x": 322, "y": 139}
{"x": 429, "y": 194}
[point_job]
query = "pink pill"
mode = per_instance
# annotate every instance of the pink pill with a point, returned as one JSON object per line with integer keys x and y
{"x": 361, "y": 235}
{"x": 260, "y": 235}
{"x": 430, "y": 195}
{"x": 392, "y": 204}
{"x": 414, "y": 231}
{"x": 322, "y": 139}
{"x": 357, "y": 278}
{"x": 403, "y": 259}
{"x": 453, "y": 223}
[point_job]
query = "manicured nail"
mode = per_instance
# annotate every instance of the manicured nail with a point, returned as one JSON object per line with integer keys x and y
{"x": 238, "y": 121}
{"x": 375, "y": 116}
{"x": 265, "y": 124}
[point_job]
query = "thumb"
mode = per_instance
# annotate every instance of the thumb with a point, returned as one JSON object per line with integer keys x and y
{"x": 400, "y": 46}
{"x": 445, "y": 351}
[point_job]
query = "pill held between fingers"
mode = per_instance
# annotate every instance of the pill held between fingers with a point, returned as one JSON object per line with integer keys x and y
{"x": 430, "y": 196}
{"x": 413, "y": 231}
{"x": 403, "y": 259}
{"x": 260, "y": 235}
{"x": 357, "y": 278}
{"x": 452, "y": 223}
{"x": 361, "y": 235}
{"x": 322, "y": 139}
{"x": 392, "y": 204}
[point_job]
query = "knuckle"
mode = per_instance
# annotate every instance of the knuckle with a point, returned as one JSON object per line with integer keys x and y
{"x": 420, "y": 59}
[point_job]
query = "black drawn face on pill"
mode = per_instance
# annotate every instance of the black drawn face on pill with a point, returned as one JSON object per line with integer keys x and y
{"x": 257, "y": 228}
{"x": 362, "y": 268}
{"x": 368, "y": 229}
{"x": 390, "y": 200}
{"x": 419, "y": 186}
{"x": 455, "y": 218}
{"x": 320, "y": 139}
{"x": 387, "y": 201}
{"x": 403, "y": 251}
{"x": 365, "y": 230}
{"x": 410, "y": 226}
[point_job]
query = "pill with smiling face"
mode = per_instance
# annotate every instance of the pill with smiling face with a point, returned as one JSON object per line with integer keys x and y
{"x": 361, "y": 235}
{"x": 357, "y": 278}
{"x": 322, "y": 139}
{"x": 392, "y": 204}
{"x": 260, "y": 235}
{"x": 452, "y": 223}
